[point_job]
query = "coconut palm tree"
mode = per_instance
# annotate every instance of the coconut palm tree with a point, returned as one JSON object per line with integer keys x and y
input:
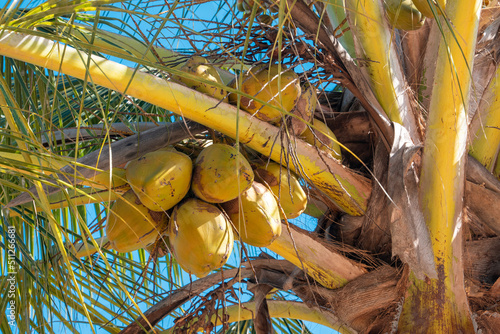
{"x": 405, "y": 236}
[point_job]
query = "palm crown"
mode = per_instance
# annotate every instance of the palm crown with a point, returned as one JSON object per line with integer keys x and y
{"x": 402, "y": 127}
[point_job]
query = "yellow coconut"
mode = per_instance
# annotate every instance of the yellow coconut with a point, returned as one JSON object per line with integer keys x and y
{"x": 131, "y": 225}
{"x": 285, "y": 186}
{"x": 280, "y": 90}
{"x": 257, "y": 220}
{"x": 210, "y": 81}
{"x": 160, "y": 179}
{"x": 424, "y": 7}
{"x": 323, "y": 138}
{"x": 220, "y": 174}
{"x": 402, "y": 14}
{"x": 201, "y": 236}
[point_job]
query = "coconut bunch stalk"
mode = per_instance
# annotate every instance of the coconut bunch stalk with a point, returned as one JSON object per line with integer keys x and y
{"x": 374, "y": 43}
{"x": 161, "y": 247}
{"x": 332, "y": 270}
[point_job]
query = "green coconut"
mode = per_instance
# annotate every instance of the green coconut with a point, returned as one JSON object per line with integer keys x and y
{"x": 220, "y": 174}
{"x": 201, "y": 236}
{"x": 131, "y": 225}
{"x": 257, "y": 217}
{"x": 160, "y": 179}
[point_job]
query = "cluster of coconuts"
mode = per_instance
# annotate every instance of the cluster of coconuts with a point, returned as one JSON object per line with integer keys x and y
{"x": 219, "y": 194}
{"x": 401, "y": 14}
{"x": 209, "y": 201}
{"x": 266, "y": 91}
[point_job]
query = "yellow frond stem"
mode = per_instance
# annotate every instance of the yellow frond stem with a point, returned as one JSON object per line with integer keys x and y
{"x": 347, "y": 189}
{"x": 330, "y": 269}
{"x": 445, "y": 146}
{"x": 376, "y": 50}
